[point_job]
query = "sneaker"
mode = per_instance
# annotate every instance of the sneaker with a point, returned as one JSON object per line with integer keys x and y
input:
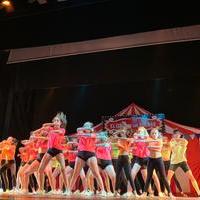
{"x": 116, "y": 194}
{"x": 151, "y": 195}
{"x": 52, "y": 192}
{"x": 144, "y": 194}
{"x": 171, "y": 196}
{"x": 88, "y": 192}
{"x": 40, "y": 192}
{"x": 160, "y": 194}
{"x": 127, "y": 194}
{"x": 59, "y": 192}
{"x": 23, "y": 192}
{"x": 102, "y": 193}
{"x": 110, "y": 194}
{"x": 183, "y": 194}
{"x": 13, "y": 191}
{"x": 1, "y": 190}
{"x": 67, "y": 193}
{"x": 77, "y": 192}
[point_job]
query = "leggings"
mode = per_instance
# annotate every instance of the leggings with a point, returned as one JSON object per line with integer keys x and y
{"x": 5, "y": 165}
{"x": 122, "y": 185}
{"x": 167, "y": 165}
{"x": 158, "y": 165}
{"x": 123, "y": 163}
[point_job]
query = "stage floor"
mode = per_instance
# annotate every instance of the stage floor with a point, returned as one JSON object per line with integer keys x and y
{"x": 76, "y": 197}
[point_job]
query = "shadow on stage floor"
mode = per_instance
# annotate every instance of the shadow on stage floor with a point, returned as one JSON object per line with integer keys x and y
{"x": 77, "y": 197}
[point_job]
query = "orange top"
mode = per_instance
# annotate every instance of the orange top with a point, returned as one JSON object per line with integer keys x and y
{"x": 8, "y": 152}
{"x": 155, "y": 147}
{"x": 124, "y": 146}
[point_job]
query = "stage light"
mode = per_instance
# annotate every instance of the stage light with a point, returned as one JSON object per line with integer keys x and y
{"x": 6, "y": 3}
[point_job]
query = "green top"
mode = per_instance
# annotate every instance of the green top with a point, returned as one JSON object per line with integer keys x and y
{"x": 115, "y": 151}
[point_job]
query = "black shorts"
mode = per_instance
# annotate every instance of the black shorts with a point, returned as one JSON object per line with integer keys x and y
{"x": 30, "y": 162}
{"x": 40, "y": 156}
{"x": 66, "y": 162}
{"x": 54, "y": 152}
{"x": 22, "y": 164}
{"x": 141, "y": 161}
{"x": 72, "y": 164}
{"x": 183, "y": 165}
{"x": 85, "y": 155}
{"x": 104, "y": 163}
{"x": 133, "y": 161}
{"x": 8, "y": 162}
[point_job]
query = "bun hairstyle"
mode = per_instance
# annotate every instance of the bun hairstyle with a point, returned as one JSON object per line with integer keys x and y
{"x": 88, "y": 126}
{"x": 62, "y": 118}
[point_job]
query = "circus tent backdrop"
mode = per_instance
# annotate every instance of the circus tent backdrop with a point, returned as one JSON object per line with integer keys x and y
{"x": 190, "y": 133}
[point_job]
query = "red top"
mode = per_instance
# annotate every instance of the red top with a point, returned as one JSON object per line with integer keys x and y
{"x": 103, "y": 152}
{"x": 41, "y": 143}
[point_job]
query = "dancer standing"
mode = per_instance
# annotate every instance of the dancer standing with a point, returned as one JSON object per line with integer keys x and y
{"x": 124, "y": 145}
{"x": 178, "y": 159}
{"x": 86, "y": 154}
{"x": 56, "y": 132}
{"x": 8, "y": 162}
{"x": 155, "y": 162}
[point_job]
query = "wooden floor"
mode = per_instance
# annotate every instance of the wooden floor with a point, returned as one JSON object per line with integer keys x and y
{"x": 76, "y": 197}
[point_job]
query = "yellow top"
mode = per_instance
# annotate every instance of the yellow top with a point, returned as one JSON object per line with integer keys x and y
{"x": 54, "y": 163}
{"x": 179, "y": 147}
{"x": 166, "y": 152}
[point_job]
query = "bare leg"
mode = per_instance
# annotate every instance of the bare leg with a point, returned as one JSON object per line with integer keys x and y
{"x": 49, "y": 173}
{"x": 44, "y": 162}
{"x": 193, "y": 181}
{"x": 61, "y": 160}
{"x": 92, "y": 163}
{"x": 77, "y": 169}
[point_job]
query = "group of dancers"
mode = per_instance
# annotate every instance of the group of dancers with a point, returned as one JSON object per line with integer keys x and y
{"x": 90, "y": 163}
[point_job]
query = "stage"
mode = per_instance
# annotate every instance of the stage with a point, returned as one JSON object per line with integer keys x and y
{"x": 74, "y": 197}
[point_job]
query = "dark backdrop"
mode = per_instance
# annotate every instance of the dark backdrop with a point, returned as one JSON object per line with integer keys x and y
{"x": 162, "y": 78}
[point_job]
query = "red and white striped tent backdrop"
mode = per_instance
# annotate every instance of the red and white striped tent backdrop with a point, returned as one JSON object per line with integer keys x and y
{"x": 193, "y": 149}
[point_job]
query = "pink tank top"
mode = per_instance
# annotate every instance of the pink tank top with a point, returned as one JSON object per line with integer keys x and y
{"x": 55, "y": 139}
{"x": 87, "y": 143}
{"x": 140, "y": 150}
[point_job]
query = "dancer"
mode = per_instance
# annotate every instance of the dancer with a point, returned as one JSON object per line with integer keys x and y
{"x": 71, "y": 150}
{"x": 155, "y": 162}
{"x": 166, "y": 156}
{"x": 41, "y": 144}
{"x": 178, "y": 159}
{"x": 124, "y": 145}
{"x": 30, "y": 146}
{"x": 141, "y": 157}
{"x": 86, "y": 154}
{"x": 56, "y": 132}
{"x": 8, "y": 162}
{"x": 24, "y": 156}
{"x": 103, "y": 153}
